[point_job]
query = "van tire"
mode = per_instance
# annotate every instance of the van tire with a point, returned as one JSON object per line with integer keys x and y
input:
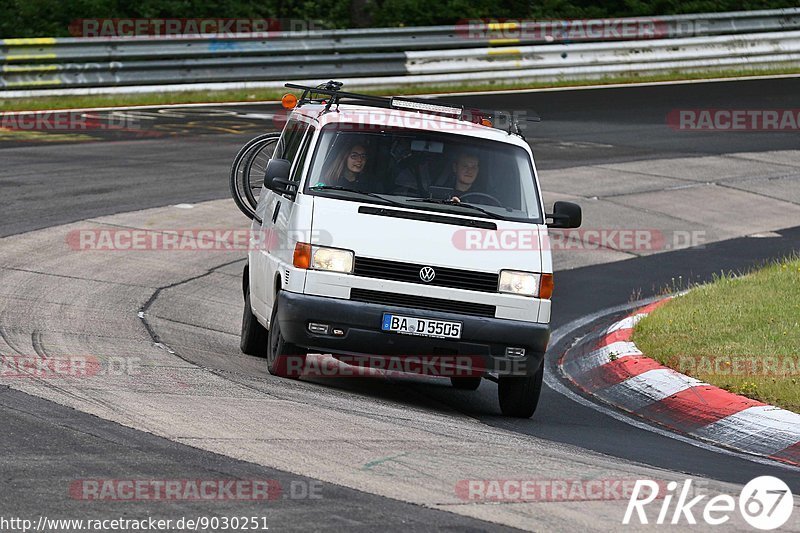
{"x": 254, "y": 335}
{"x": 284, "y": 359}
{"x": 466, "y": 383}
{"x": 519, "y": 395}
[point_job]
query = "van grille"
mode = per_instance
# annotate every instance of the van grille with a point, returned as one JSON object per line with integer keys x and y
{"x": 409, "y": 272}
{"x": 421, "y": 302}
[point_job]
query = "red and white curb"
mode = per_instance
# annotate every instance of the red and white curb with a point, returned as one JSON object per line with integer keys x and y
{"x": 613, "y": 369}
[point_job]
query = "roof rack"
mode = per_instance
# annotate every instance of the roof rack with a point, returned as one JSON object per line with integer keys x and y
{"x": 331, "y": 93}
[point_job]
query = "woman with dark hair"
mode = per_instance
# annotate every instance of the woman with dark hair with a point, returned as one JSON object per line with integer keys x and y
{"x": 347, "y": 169}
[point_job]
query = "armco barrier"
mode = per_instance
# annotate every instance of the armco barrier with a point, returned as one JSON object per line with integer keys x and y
{"x": 397, "y": 56}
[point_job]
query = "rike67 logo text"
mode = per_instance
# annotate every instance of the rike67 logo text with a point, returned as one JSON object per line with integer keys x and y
{"x": 766, "y": 503}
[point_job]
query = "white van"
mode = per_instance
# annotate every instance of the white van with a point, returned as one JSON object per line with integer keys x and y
{"x": 395, "y": 230}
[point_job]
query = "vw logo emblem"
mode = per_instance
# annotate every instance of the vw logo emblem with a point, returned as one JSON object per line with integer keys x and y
{"x": 427, "y": 274}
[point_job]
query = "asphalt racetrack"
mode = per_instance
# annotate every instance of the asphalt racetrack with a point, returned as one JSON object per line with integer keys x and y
{"x": 386, "y": 453}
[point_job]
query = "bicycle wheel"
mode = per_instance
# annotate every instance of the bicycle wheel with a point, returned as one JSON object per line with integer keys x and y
{"x": 247, "y": 172}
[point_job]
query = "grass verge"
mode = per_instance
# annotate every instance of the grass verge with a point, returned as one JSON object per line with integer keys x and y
{"x": 738, "y": 333}
{"x": 257, "y": 95}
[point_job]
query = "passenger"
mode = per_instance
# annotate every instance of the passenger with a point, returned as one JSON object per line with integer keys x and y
{"x": 347, "y": 169}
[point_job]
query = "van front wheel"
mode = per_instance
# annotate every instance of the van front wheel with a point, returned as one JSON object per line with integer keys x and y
{"x": 519, "y": 395}
{"x": 284, "y": 359}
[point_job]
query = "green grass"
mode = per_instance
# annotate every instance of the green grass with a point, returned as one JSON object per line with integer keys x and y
{"x": 739, "y": 333}
{"x": 256, "y": 95}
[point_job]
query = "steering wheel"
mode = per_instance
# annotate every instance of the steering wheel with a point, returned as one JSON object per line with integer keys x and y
{"x": 494, "y": 201}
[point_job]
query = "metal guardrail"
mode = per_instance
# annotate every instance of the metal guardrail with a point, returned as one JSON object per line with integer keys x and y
{"x": 396, "y": 56}
{"x": 749, "y": 46}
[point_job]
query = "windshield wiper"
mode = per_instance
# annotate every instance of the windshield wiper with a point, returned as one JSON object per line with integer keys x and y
{"x": 398, "y": 204}
{"x": 365, "y": 193}
{"x": 458, "y": 204}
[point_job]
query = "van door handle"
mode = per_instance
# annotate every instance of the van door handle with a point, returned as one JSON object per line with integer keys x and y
{"x": 275, "y": 213}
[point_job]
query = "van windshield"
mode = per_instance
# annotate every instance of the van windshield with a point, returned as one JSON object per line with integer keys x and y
{"x": 424, "y": 170}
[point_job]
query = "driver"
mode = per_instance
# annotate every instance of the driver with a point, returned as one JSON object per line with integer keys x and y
{"x": 463, "y": 179}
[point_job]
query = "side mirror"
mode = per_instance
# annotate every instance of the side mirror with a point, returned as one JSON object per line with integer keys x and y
{"x": 276, "y": 177}
{"x": 565, "y": 215}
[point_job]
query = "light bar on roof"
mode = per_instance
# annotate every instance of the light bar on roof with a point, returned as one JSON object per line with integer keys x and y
{"x": 430, "y": 108}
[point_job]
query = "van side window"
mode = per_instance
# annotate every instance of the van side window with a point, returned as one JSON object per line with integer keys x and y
{"x": 289, "y": 143}
{"x": 301, "y": 158}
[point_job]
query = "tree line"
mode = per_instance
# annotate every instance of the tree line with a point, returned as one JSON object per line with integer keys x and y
{"x": 57, "y": 18}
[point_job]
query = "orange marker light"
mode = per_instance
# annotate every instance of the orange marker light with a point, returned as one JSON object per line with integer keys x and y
{"x": 302, "y": 255}
{"x": 289, "y": 101}
{"x": 545, "y": 286}
{"x": 486, "y": 122}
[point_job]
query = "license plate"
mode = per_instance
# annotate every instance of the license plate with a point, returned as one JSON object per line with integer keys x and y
{"x": 425, "y": 327}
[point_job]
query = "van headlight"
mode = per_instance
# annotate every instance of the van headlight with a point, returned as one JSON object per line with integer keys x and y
{"x": 308, "y": 256}
{"x": 526, "y": 284}
{"x": 331, "y": 259}
{"x": 522, "y": 283}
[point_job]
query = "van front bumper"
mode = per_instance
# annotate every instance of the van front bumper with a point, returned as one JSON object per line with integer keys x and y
{"x": 483, "y": 340}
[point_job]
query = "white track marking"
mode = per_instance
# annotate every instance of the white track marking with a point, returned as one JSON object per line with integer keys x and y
{"x": 764, "y": 428}
{"x": 626, "y": 323}
{"x": 647, "y": 388}
{"x": 601, "y": 356}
